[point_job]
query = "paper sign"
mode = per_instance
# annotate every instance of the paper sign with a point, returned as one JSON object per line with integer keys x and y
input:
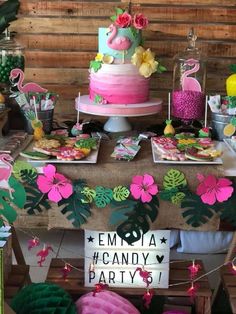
{"x": 119, "y": 264}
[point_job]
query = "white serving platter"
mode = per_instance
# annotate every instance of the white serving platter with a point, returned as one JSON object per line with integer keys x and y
{"x": 90, "y": 159}
{"x": 157, "y": 159}
{"x": 228, "y": 143}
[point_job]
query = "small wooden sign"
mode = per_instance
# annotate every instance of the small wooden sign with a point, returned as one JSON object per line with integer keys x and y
{"x": 119, "y": 264}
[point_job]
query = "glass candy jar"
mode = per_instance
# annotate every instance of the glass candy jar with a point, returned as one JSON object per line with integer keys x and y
{"x": 189, "y": 76}
{"x": 11, "y": 56}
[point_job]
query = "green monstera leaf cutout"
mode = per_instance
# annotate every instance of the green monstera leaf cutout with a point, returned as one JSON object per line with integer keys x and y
{"x": 74, "y": 208}
{"x": 120, "y": 193}
{"x": 121, "y": 210}
{"x": 137, "y": 223}
{"x": 178, "y": 198}
{"x": 7, "y": 203}
{"x": 103, "y": 196}
{"x": 36, "y": 201}
{"x": 23, "y": 169}
{"x": 195, "y": 211}
{"x": 89, "y": 195}
{"x": 174, "y": 179}
{"x": 166, "y": 195}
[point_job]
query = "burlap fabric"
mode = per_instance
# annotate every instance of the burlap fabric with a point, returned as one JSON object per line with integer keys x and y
{"x": 110, "y": 173}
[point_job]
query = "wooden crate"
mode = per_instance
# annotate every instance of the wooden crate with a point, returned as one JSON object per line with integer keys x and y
{"x": 74, "y": 283}
{"x": 6, "y": 247}
{"x": 17, "y": 278}
{"x": 229, "y": 283}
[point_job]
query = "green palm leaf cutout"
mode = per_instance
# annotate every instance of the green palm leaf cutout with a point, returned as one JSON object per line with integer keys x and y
{"x": 7, "y": 204}
{"x": 103, "y": 196}
{"x": 121, "y": 211}
{"x": 174, "y": 179}
{"x": 120, "y": 193}
{"x": 195, "y": 211}
{"x": 75, "y": 210}
{"x": 137, "y": 223}
{"x": 36, "y": 201}
{"x": 89, "y": 195}
{"x": 20, "y": 166}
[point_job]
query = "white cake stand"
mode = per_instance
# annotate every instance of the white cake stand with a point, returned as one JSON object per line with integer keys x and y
{"x": 118, "y": 113}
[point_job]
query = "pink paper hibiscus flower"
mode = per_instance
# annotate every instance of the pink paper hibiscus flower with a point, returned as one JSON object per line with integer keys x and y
{"x": 140, "y": 21}
{"x": 143, "y": 187}
{"x": 55, "y": 184}
{"x": 212, "y": 189}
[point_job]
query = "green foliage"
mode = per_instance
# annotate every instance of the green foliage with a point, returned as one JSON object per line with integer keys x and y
{"x": 7, "y": 204}
{"x": 196, "y": 212}
{"x": 118, "y": 12}
{"x": 89, "y": 195}
{"x": 174, "y": 179}
{"x": 227, "y": 209}
{"x": 166, "y": 195}
{"x": 233, "y": 121}
{"x": 95, "y": 65}
{"x": 120, "y": 193}
{"x": 103, "y": 196}
{"x": 233, "y": 68}
{"x": 121, "y": 210}
{"x": 36, "y": 201}
{"x": 134, "y": 32}
{"x": 74, "y": 208}
{"x": 161, "y": 68}
{"x": 8, "y": 11}
{"x": 138, "y": 221}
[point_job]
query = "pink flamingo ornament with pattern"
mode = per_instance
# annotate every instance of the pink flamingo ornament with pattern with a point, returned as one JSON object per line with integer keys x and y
{"x": 121, "y": 43}
{"x": 5, "y": 172}
{"x": 190, "y": 83}
{"x": 29, "y": 87}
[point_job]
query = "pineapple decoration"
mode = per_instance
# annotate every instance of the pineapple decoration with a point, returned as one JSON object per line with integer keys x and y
{"x": 36, "y": 124}
{"x": 169, "y": 129}
{"x": 231, "y": 82}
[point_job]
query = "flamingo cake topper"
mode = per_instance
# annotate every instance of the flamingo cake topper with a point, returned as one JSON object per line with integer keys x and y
{"x": 5, "y": 172}
{"x": 17, "y": 78}
{"x": 120, "y": 43}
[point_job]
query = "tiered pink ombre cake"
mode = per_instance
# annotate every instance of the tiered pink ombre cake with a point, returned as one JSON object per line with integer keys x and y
{"x": 119, "y": 84}
{"x": 121, "y": 70}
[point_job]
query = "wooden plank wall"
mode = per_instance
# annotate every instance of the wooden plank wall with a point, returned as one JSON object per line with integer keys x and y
{"x": 61, "y": 38}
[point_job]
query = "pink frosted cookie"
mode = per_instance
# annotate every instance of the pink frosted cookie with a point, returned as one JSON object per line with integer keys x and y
{"x": 104, "y": 302}
{"x": 205, "y": 142}
{"x": 164, "y": 140}
{"x": 69, "y": 154}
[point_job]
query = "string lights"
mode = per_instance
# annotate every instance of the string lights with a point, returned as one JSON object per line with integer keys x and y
{"x": 144, "y": 273}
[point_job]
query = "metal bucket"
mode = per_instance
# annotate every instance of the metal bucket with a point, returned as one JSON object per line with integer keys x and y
{"x": 218, "y": 122}
{"x": 45, "y": 116}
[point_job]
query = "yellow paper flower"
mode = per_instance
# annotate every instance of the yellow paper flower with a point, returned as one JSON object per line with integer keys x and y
{"x": 99, "y": 56}
{"x": 144, "y": 60}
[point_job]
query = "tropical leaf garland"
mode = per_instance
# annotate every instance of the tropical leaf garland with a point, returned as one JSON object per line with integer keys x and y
{"x": 36, "y": 201}
{"x": 137, "y": 223}
{"x": 174, "y": 179}
{"x": 74, "y": 208}
{"x": 195, "y": 211}
{"x": 21, "y": 169}
{"x": 120, "y": 193}
{"x": 103, "y": 196}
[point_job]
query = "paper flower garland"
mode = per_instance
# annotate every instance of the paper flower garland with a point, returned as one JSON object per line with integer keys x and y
{"x": 55, "y": 184}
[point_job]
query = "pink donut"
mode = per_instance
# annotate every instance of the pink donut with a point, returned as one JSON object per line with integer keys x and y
{"x": 104, "y": 302}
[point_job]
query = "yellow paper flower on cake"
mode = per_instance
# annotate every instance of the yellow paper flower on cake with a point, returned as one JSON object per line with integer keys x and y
{"x": 99, "y": 56}
{"x": 144, "y": 60}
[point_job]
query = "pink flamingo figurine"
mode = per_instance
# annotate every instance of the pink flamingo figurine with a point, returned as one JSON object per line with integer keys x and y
{"x": 121, "y": 43}
{"x": 190, "y": 83}
{"x": 5, "y": 172}
{"x": 29, "y": 87}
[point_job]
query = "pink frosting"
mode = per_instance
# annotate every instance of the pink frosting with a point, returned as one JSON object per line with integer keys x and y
{"x": 119, "y": 89}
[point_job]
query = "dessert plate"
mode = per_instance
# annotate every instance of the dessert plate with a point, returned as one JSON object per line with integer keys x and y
{"x": 157, "y": 159}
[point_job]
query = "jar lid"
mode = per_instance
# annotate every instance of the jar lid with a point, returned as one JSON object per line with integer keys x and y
{"x": 8, "y": 43}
